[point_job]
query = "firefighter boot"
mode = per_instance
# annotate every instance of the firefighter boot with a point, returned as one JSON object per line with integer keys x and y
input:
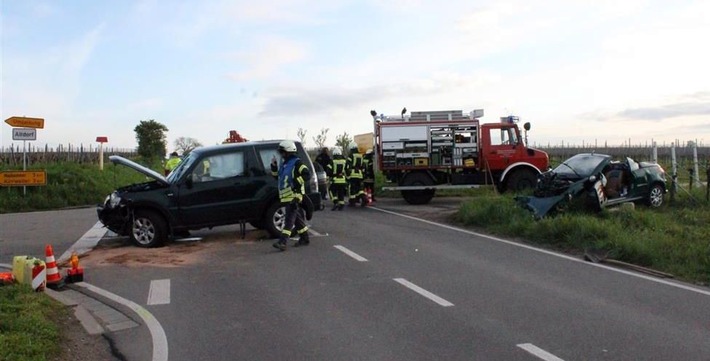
{"x": 280, "y": 244}
{"x": 302, "y": 240}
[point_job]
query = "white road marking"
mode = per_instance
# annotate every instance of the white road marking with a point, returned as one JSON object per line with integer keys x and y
{"x": 159, "y": 293}
{"x": 540, "y": 353}
{"x": 648, "y": 278}
{"x": 160, "y": 341}
{"x": 86, "y": 243}
{"x": 316, "y": 234}
{"x": 351, "y": 253}
{"x": 423, "y": 292}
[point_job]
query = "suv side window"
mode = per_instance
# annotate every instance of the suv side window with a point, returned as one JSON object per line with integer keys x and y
{"x": 219, "y": 166}
{"x": 266, "y": 155}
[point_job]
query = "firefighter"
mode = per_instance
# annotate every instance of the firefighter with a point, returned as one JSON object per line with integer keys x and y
{"x": 336, "y": 172}
{"x": 369, "y": 173}
{"x": 292, "y": 177}
{"x": 324, "y": 160}
{"x": 354, "y": 170}
{"x": 172, "y": 162}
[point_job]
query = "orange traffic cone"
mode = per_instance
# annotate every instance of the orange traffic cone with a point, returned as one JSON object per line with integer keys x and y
{"x": 369, "y": 195}
{"x": 54, "y": 279}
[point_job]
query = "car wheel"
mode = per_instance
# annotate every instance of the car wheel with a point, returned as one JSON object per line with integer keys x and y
{"x": 655, "y": 196}
{"x": 274, "y": 219}
{"x": 148, "y": 229}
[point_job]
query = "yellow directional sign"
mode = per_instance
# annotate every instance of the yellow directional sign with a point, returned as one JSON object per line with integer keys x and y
{"x": 23, "y": 178}
{"x": 25, "y": 122}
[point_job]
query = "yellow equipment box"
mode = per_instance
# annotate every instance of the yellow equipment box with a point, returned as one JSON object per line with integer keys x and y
{"x": 421, "y": 161}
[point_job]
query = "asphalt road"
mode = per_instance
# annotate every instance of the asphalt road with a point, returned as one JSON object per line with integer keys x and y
{"x": 380, "y": 286}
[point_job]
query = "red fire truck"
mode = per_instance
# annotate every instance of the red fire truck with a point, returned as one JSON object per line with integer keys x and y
{"x": 429, "y": 150}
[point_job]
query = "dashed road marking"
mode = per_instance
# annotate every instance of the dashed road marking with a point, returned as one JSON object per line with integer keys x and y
{"x": 351, "y": 253}
{"x": 159, "y": 293}
{"x": 540, "y": 353}
{"x": 423, "y": 292}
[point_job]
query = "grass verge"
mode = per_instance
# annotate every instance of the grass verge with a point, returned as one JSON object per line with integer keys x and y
{"x": 673, "y": 239}
{"x": 27, "y": 329}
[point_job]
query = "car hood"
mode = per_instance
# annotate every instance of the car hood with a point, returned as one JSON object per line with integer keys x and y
{"x": 116, "y": 159}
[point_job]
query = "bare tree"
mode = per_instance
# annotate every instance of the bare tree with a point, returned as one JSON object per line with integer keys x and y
{"x": 321, "y": 138}
{"x": 343, "y": 141}
{"x": 302, "y": 136}
{"x": 185, "y": 145}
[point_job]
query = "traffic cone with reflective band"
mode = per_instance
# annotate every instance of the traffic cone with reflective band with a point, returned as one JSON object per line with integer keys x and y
{"x": 369, "y": 195}
{"x": 54, "y": 279}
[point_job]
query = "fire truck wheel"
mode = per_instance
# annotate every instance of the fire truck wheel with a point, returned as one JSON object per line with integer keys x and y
{"x": 520, "y": 180}
{"x": 418, "y": 196}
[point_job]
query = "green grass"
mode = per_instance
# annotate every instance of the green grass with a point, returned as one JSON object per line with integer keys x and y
{"x": 69, "y": 184}
{"x": 27, "y": 329}
{"x": 673, "y": 239}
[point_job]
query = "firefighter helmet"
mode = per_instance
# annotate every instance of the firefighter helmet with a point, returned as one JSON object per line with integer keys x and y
{"x": 353, "y": 146}
{"x": 337, "y": 151}
{"x": 287, "y": 146}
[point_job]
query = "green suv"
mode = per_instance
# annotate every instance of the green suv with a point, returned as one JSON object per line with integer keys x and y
{"x": 212, "y": 186}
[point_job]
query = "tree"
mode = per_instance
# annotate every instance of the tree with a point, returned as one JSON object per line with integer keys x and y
{"x": 302, "y": 136}
{"x": 321, "y": 138}
{"x": 151, "y": 139}
{"x": 343, "y": 141}
{"x": 185, "y": 145}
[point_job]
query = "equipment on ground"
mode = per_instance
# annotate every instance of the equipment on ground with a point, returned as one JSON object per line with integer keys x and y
{"x": 430, "y": 150}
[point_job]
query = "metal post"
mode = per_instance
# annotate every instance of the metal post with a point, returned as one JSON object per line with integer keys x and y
{"x": 24, "y": 164}
{"x": 696, "y": 171}
{"x": 655, "y": 152}
{"x": 101, "y": 156}
{"x": 674, "y": 166}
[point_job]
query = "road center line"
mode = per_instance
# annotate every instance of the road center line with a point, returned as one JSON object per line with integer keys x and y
{"x": 159, "y": 293}
{"x": 351, "y": 253}
{"x": 540, "y": 353}
{"x": 160, "y": 341}
{"x": 423, "y": 292}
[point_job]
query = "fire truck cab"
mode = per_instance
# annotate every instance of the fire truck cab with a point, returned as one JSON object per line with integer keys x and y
{"x": 429, "y": 150}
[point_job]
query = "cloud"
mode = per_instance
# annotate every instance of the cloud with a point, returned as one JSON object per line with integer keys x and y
{"x": 267, "y": 57}
{"x": 690, "y": 105}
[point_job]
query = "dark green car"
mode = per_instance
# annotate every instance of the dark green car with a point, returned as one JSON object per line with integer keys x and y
{"x": 600, "y": 180}
{"x": 212, "y": 186}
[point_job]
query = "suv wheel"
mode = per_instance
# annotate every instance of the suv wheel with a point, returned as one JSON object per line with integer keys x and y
{"x": 274, "y": 219}
{"x": 148, "y": 229}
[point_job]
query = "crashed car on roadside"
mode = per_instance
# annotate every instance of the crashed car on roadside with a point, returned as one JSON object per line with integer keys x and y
{"x": 212, "y": 186}
{"x": 599, "y": 181}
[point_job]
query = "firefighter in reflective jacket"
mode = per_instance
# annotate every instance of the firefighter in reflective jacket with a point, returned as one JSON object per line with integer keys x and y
{"x": 369, "y": 182}
{"x": 292, "y": 178}
{"x": 354, "y": 170}
{"x": 339, "y": 185}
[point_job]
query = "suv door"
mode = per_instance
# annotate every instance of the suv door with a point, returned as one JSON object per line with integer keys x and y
{"x": 219, "y": 190}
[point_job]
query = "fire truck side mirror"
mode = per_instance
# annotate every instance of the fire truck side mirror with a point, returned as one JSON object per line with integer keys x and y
{"x": 373, "y": 113}
{"x": 526, "y": 126}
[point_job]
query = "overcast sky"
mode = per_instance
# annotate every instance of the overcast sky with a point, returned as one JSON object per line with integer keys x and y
{"x": 578, "y": 70}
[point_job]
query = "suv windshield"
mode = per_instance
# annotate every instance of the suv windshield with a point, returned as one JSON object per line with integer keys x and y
{"x": 181, "y": 168}
{"x": 581, "y": 165}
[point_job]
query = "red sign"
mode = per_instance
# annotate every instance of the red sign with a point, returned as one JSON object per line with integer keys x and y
{"x": 102, "y": 139}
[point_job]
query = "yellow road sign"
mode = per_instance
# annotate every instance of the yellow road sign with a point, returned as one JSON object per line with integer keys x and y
{"x": 25, "y": 122}
{"x": 23, "y": 178}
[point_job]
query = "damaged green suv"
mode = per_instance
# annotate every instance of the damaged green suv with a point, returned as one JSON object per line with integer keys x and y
{"x": 212, "y": 186}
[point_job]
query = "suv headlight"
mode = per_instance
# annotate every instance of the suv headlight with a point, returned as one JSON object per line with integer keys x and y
{"x": 112, "y": 200}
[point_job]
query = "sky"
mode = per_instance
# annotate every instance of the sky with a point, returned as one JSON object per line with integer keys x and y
{"x": 580, "y": 71}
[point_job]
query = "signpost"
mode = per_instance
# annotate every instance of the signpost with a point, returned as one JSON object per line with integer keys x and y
{"x": 27, "y": 130}
{"x": 23, "y": 178}
{"x": 25, "y": 122}
{"x": 101, "y": 141}
{"x": 24, "y": 134}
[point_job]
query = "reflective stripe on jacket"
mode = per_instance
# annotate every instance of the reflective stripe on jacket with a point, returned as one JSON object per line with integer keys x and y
{"x": 291, "y": 182}
{"x": 337, "y": 170}
{"x": 354, "y": 166}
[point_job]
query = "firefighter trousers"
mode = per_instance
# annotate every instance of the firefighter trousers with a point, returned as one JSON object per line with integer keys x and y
{"x": 293, "y": 217}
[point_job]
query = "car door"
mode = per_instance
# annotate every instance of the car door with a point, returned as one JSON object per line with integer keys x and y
{"x": 219, "y": 190}
{"x": 639, "y": 182}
